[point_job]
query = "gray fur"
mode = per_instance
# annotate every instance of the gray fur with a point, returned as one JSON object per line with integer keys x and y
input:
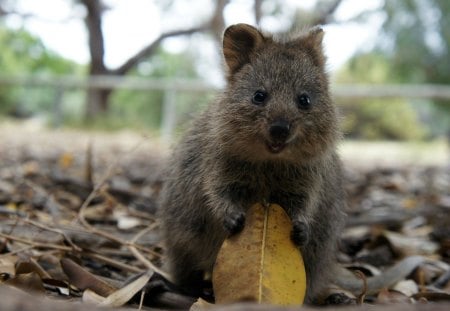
{"x": 223, "y": 165}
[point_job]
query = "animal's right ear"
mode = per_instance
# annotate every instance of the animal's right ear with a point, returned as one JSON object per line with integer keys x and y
{"x": 240, "y": 41}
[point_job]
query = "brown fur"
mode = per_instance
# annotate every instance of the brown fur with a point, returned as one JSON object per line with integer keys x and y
{"x": 229, "y": 160}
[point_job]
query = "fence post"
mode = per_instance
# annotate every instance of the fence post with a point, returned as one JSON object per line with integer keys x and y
{"x": 168, "y": 118}
{"x": 57, "y": 115}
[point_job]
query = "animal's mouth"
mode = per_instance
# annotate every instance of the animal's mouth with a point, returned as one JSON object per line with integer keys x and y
{"x": 275, "y": 147}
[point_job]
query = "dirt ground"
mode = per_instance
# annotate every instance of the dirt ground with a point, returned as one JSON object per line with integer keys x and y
{"x": 81, "y": 205}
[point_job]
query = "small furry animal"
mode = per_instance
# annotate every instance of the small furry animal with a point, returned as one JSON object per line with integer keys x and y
{"x": 270, "y": 137}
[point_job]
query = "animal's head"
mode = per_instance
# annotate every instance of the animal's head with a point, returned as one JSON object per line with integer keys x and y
{"x": 277, "y": 104}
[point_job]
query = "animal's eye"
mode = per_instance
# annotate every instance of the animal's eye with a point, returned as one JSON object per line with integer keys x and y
{"x": 259, "y": 97}
{"x": 304, "y": 101}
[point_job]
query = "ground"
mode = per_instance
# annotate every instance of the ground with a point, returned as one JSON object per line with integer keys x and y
{"x": 77, "y": 212}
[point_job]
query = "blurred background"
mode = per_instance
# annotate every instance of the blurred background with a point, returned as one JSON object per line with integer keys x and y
{"x": 150, "y": 66}
{"x": 94, "y": 92}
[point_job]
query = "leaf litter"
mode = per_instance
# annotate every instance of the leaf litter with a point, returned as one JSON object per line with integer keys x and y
{"x": 78, "y": 221}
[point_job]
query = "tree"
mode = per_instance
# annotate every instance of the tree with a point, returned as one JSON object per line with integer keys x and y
{"x": 144, "y": 109}
{"x": 98, "y": 99}
{"x": 412, "y": 47}
{"x": 416, "y": 40}
{"x": 416, "y": 37}
{"x": 374, "y": 119}
{"x": 21, "y": 53}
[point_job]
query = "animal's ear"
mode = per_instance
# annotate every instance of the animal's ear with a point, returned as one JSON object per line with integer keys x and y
{"x": 240, "y": 41}
{"x": 315, "y": 36}
{"x": 312, "y": 43}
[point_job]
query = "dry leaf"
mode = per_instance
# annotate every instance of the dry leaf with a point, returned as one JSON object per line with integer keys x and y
{"x": 261, "y": 263}
{"x": 123, "y": 295}
{"x": 432, "y": 296}
{"x": 29, "y": 266}
{"x": 92, "y": 297}
{"x": 201, "y": 305}
{"x": 391, "y": 296}
{"x": 126, "y": 222}
{"x": 30, "y": 168}
{"x": 66, "y": 160}
{"x": 386, "y": 279}
{"x": 8, "y": 264}
{"x": 29, "y": 282}
{"x": 411, "y": 245}
{"x": 406, "y": 287}
{"x": 83, "y": 279}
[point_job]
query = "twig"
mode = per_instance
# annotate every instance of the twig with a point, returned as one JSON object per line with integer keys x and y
{"x": 3, "y": 245}
{"x": 89, "y": 166}
{"x": 42, "y": 273}
{"x": 88, "y": 226}
{"x": 53, "y": 206}
{"x": 130, "y": 245}
{"x": 112, "y": 262}
{"x": 17, "y": 251}
{"x": 147, "y": 250}
{"x": 141, "y": 233}
{"x": 36, "y": 244}
{"x": 141, "y": 301}
{"x": 48, "y": 228}
{"x": 421, "y": 278}
{"x": 362, "y": 296}
{"x": 97, "y": 190}
{"x": 148, "y": 264}
{"x": 142, "y": 215}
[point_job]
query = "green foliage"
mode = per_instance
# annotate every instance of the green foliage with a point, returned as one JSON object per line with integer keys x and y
{"x": 144, "y": 109}
{"x": 23, "y": 54}
{"x": 373, "y": 67}
{"x": 413, "y": 47}
{"x": 374, "y": 119}
{"x": 416, "y": 38}
{"x": 418, "y": 33}
{"x": 381, "y": 119}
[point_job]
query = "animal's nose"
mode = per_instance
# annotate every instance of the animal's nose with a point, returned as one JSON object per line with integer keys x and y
{"x": 279, "y": 130}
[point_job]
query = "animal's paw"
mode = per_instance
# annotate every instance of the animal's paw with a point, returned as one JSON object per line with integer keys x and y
{"x": 300, "y": 233}
{"x": 234, "y": 223}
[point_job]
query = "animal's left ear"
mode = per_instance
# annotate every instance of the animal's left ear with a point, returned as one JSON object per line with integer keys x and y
{"x": 312, "y": 43}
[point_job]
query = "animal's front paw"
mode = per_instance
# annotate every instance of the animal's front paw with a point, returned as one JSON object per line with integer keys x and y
{"x": 234, "y": 223}
{"x": 300, "y": 233}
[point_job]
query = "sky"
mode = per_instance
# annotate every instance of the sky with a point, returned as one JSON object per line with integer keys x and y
{"x": 130, "y": 25}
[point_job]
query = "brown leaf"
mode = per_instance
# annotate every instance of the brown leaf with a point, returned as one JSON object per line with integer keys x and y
{"x": 65, "y": 160}
{"x": 7, "y": 264}
{"x": 29, "y": 282}
{"x": 390, "y": 296}
{"x": 83, "y": 279}
{"x": 24, "y": 267}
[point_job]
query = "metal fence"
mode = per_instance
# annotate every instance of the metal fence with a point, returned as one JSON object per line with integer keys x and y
{"x": 62, "y": 84}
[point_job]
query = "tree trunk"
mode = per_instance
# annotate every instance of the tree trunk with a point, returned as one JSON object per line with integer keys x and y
{"x": 97, "y": 99}
{"x": 97, "y": 103}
